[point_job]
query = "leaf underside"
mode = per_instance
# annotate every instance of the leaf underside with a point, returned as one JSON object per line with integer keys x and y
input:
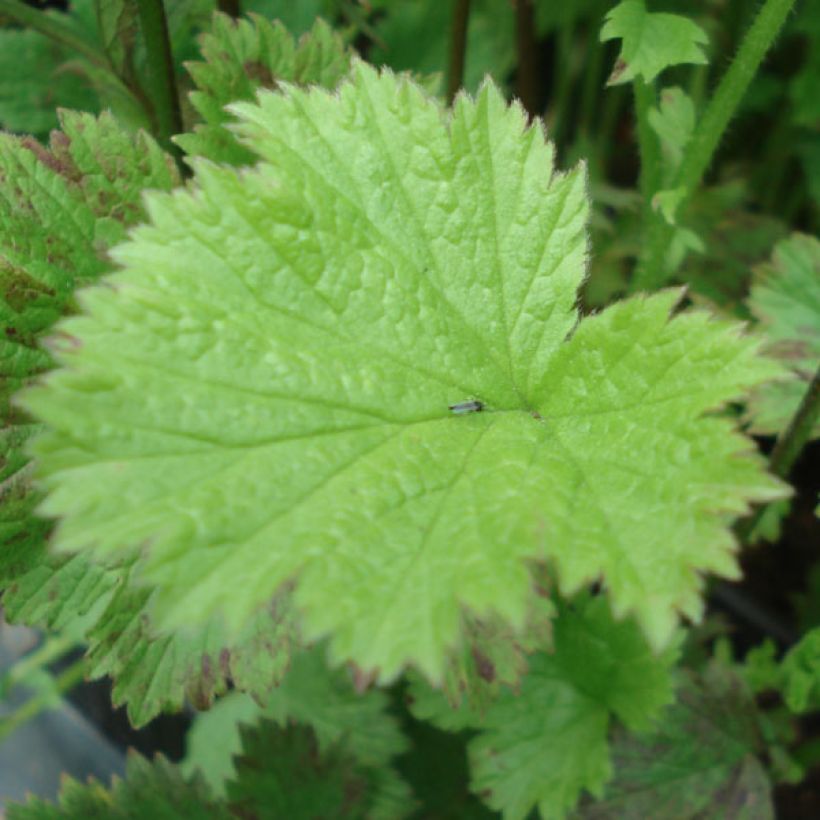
{"x": 261, "y": 395}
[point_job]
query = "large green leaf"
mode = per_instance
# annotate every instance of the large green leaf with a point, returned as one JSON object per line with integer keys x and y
{"x": 262, "y": 393}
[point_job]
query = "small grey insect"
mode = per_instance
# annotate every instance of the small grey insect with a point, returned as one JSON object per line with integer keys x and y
{"x": 466, "y": 407}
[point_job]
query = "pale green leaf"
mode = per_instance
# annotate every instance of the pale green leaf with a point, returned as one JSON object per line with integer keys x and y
{"x": 262, "y": 393}
{"x": 650, "y": 41}
{"x": 786, "y": 300}
{"x": 545, "y": 743}
{"x": 242, "y": 56}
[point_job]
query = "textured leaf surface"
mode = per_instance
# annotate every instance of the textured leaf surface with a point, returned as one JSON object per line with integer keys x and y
{"x": 786, "y": 300}
{"x": 262, "y": 393}
{"x": 651, "y": 41}
{"x": 155, "y": 790}
{"x": 242, "y": 56}
{"x": 699, "y": 762}
{"x": 543, "y": 745}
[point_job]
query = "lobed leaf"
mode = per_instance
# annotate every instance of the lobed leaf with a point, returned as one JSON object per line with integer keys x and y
{"x": 262, "y": 393}
{"x": 651, "y": 41}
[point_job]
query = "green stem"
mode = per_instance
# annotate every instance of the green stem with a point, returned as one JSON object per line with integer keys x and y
{"x": 458, "y": 48}
{"x": 51, "y": 26}
{"x": 52, "y": 648}
{"x": 650, "y": 272}
{"x": 526, "y": 84}
{"x": 648, "y": 144}
{"x": 161, "y": 80}
{"x": 787, "y": 448}
{"x": 66, "y": 680}
{"x": 792, "y": 440}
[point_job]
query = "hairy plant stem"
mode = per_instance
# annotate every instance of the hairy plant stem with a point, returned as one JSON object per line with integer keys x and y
{"x": 51, "y": 26}
{"x": 787, "y": 448}
{"x": 458, "y": 48}
{"x": 648, "y": 145}
{"x": 651, "y": 271}
{"x": 161, "y": 81}
{"x": 54, "y": 646}
{"x": 66, "y": 680}
{"x": 526, "y": 84}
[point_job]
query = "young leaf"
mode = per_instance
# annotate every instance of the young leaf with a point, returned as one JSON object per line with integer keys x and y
{"x": 543, "y": 745}
{"x": 241, "y": 56}
{"x": 155, "y": 790}
{"x": 262, "y": 392}
{"x": 698, "y": 762}
{"x": 651, "y": 41}
{"x": 673, "y": 121}
{"x": 786, "y": 300}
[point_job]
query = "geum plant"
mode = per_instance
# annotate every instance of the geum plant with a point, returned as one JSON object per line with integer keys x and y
{"x": 334, "y": 424}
